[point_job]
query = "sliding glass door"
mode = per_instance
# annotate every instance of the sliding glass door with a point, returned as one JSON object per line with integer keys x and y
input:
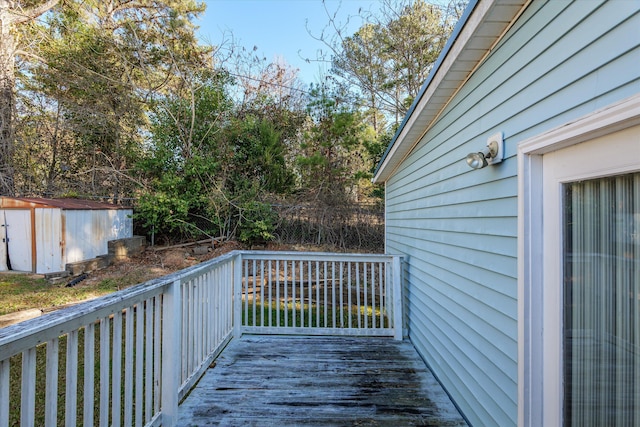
{"x": 601, "y": 301}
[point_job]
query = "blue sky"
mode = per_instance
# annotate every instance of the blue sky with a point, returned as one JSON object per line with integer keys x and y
{"x": 279, "y": 27}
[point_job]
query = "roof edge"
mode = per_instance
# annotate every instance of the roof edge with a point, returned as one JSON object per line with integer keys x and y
{"x": 7, "y": 202}
{"x": 443, "y": 54}
{"x": 483, "y": 24}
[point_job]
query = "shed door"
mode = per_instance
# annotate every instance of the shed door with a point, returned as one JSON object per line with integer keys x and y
{"x": 49, "y": 244}
{"x": 16, "y": 249}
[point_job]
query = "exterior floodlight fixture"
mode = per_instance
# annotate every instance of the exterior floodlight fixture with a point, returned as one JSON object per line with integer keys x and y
{"x": 491, "y": 155}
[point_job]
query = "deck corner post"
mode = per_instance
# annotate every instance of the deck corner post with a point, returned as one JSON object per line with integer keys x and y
{"x": 171, "y": 357}
{"x": 237, "y": 296}
{"x": 398, "y": 319}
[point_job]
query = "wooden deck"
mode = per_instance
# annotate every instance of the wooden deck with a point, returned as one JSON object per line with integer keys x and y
{"x": 320, "y": 381}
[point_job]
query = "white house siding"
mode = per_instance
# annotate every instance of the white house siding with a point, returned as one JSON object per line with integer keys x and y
{"x": 457, "y": 227}
{"x": 88, "y": 231}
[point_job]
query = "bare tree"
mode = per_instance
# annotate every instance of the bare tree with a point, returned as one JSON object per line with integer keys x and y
{"x": 388, "y": 58}
{"x": 12, "y": 13}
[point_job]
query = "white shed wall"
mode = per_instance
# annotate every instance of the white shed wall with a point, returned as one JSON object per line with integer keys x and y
{"x": 88, "y": 231}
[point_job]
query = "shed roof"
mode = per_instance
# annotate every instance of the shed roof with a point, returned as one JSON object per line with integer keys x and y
{"x": 66, "y": 204}
{"x": 479, "y": 29}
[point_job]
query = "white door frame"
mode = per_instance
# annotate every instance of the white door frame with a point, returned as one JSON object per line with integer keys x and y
{"x": 534, "y": 407}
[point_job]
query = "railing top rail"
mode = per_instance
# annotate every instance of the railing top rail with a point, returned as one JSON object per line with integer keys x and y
{"x": 315, "y": 256}
{"x": 20, "y": 336}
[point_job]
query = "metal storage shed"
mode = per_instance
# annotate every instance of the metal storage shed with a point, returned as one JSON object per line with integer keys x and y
{"x": 43, "y": 235}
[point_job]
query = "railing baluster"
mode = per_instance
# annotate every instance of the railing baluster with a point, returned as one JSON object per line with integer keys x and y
{"x": 317, "y": 268}
{"x": 262, "y": 303}
{"x": 191, "y": 329}
{"x": 215, "y": 301}
{"x": 139, "y": 405}
{"x": 278, "y": 305}
{"x": 89, "y": 374}
{"x": 333, "y": 293}
{"x": 381, "y": 267}
{"x": 246, "y": 292}
{"x": 341, "y": 294}
{"x": 184, "y": 324}
{"x": 104, "y": 371}
{"x": 358, "y": 295}
{"x": 373, "y": 295}
{"x": 286, "y": 297}
{"x": 148, "y": 363}
{"x": 255, "y": 292}
{"x": 310, "y": 289}
{"x": 301, "y": 294}
{"x": 71, "y": 377}
{"x": 157, "y": 352}
{"x": 211, "y": 307}
{"x": 116, "y": 388}
{"x": 270, "y": 302}
{"x": 197, "y": 323}
{"x": 128, "y": 365}
{"x": 325, "y": 323}
{"x": 28, "y": 401}
{"x": 51, "y": 387}
{"x": 293, "y": 294}
{"x": 366, "y": 296}
{"x": 206, "y": 308}
{"x": 349, "y": 289}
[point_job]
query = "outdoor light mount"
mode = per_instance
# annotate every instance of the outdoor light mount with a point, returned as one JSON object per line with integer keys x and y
{"x": 491, "y": 155}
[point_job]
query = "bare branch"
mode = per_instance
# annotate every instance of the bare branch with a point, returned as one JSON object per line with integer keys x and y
{"x": 21, "y": 16}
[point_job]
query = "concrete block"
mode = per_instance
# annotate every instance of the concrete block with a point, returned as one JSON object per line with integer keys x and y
{"x": 124, "y": 248}
{"x": 200, "y": 250}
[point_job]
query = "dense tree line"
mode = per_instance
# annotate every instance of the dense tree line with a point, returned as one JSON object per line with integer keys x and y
{"x": 117, "y": 99}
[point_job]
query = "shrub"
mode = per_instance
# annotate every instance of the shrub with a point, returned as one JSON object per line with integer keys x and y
{"x": 257, "y": 223}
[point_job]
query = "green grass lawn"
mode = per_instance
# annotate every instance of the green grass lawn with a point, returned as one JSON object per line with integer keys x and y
{"x": 25, "y": 291}
{"x": 21, "y": 292}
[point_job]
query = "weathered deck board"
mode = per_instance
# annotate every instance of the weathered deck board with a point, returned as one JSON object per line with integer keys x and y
{"x": 321, "y": 381}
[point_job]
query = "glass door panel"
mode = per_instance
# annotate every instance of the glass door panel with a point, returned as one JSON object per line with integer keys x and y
{"x": 601, "y": 307}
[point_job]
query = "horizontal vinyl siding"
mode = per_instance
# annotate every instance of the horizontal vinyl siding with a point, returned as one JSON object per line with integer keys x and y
{"x": 457, "y": 227}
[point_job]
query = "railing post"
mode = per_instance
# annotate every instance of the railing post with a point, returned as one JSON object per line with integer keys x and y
{"x": 237, "y": 296}
{"x": 171, "y": 357}
{"x": 397, "y": 298}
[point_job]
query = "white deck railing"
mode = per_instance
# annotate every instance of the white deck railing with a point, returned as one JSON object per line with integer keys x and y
{"x": 319, "y": 294}
{"x": 128, "y": 358}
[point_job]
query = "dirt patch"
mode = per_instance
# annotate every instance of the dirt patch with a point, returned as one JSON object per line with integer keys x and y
{"x": 153, "y": 263}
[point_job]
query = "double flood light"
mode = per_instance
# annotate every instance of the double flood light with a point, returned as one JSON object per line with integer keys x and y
{"x": 491, "y": 155}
